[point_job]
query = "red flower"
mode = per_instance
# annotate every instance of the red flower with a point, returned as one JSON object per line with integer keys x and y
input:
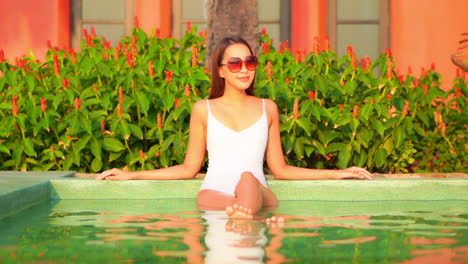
{"x": 203, "y": 35}
{"x": 433, "y": 66}
{"x": 287, "y": 80}
{"x": 177, "y": 103}
{"x": 73, "y": 55}
{"x": 120, "y": 110}
{"x": 142, "y": 154}
{"x": 2, "y": 55}
{"x": 406, "y": 109}
{"x": 159, "y": 121}
{"x": 389, "y": 96}
{"x": 130, "y": 60}
{"x": 269, "y": 67}
{"x": 103, "y": 126}
{"x": 356, "y": 111}
{"x": 95, "y": 88}
{"x": 169, "y": 75}
{"x": 425, "y": 89}
{"x": 157, "y": 33}
{"x": 365, "y": 63}
{"x": 341, "y": 107}
{"x": 316, "y": 45}
{"x": 266, "y": 47}
{"x": 14, "y": 105}
{"x": 296, "y": 109}
{"x": 151, "y": 69}
{"x": 77, "y": 103}
{"x": 389, "y": 69}
{"x": 65, "y": 83}
{"x": 187, "y": 90}
{"x": 264, "y": 31}
{"x": 311, "y": 95}
{"x": 188, "y": 24}
{"x": 136, "y": 23}
{"x": 327, "y": 43}
{"x": 56, "y": 65}
{"x": 286, "y": 45}
{"x": 194, "y": 56}
{"x": 93, "y": 32}
{"x": 121, "y": 95}
{"x": 352, "y": 56}
{"x": 280, "y": 48}
{"x": 388, "y": 52}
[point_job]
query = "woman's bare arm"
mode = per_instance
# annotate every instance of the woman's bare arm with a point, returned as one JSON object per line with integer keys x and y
{"x": 193, "y": 158}
{"x": 281, "y": 170}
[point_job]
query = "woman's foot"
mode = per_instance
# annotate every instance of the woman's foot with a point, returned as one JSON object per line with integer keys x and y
{"x": 238, "y": 212}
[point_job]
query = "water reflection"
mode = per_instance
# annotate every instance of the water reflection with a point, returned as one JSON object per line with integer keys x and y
{"x": 93, "y": 235}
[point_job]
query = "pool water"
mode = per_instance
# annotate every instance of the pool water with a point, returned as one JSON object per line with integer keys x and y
{"x": 174, "y": 231}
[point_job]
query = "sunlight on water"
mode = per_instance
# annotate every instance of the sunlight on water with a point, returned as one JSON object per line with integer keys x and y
{"x": 173, "y": 232}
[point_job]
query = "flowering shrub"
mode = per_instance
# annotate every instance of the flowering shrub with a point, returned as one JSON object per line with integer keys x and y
{"x": 129, "y": 106}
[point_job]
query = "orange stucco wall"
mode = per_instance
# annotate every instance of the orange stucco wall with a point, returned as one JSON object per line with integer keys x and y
{"x": 426, "y": 32}
{"x": 26, "y": 25}
{"x": 308, "y": 20}
{"x": 154, "y": 14}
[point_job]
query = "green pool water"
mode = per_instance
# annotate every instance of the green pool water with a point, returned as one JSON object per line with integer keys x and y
{"x": 174, "y": 231}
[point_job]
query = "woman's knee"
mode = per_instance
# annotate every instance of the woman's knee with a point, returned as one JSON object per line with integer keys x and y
{"x": 248, "y": 176}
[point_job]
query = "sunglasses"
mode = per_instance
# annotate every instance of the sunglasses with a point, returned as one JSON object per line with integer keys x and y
{"x": 234, "y": 64}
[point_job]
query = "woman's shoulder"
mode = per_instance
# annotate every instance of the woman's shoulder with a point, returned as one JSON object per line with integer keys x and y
{"x": 270, "y": 105}
{"x": 199, "y": 107}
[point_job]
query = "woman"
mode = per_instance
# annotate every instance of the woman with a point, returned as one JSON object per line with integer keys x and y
{"x": 237, "y": 129}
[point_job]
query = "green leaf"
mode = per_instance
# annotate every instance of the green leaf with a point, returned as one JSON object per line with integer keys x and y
{"x": 380, "y": 157}
{"x": 299, "y": 148}
{"x": 343, "y": 157}
{"x": 82, "y": 142}
{"x": 114, "y": 156}
{"x": 365, "y": 111}
{"x": 96, "y": 148}
{"x": 143, "y": 101}
{"x": 113, "y": 145}
{"x": 96, "y": 165}
{"x": 399, "y": 136}
{"x": 86, "y": 64}
{"x": 29, "y": 147}
{"x": 4, "y": 149}
{"x": 136, "y": 131}
{"x": 333, "y": 147}
{"x": 305, "y": 124}
{"x": 379, "y": 127}
{"x": 344, "y": 120}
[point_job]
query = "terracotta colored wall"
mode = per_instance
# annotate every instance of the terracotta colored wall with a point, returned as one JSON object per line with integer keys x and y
{"x": 308, "y": 20}
{"x": 154, "y": 14}
{"x": 26, "y": 25}
{"x": 427, "y": 31}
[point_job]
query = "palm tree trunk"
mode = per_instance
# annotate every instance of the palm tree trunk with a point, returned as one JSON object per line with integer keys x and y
{"x": 231, "y": 18}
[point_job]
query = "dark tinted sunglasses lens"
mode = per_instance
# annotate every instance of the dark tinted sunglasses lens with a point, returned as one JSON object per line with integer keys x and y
{"x": 251, "y": 63}
{"x": 234, "y": 64}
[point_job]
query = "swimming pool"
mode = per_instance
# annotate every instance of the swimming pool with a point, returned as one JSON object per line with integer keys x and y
{"x": 378, "y": 221}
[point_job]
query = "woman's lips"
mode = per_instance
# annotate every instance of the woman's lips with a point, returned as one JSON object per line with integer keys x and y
{"x": 244, "y": 78}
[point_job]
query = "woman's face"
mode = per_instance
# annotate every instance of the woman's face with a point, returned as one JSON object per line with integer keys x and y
{"x": 243, "y": 78}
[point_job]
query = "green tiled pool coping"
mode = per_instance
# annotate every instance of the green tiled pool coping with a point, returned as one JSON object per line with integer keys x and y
{"x": 21, "y": 190}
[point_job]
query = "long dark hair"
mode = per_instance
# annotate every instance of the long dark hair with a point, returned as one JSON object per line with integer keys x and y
{"x": 217, "y": 83}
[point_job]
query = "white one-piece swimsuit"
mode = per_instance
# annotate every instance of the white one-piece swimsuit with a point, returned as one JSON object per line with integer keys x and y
{"x": 231, "y": 153}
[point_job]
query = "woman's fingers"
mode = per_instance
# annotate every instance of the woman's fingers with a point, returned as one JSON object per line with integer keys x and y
{"x": 106, "y": 174}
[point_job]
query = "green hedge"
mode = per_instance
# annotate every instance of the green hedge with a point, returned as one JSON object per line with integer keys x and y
{"x": 129, "y": 105}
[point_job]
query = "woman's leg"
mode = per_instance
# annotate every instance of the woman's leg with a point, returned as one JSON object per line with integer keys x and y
{"x": 251, "y": 194}
{"x": 250, "y": 197}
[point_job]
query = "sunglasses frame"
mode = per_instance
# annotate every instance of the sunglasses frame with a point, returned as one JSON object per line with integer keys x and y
{"x": 234, "y": 67}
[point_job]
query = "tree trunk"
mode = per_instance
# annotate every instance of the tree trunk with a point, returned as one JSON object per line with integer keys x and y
{"x": 231, "y": 18}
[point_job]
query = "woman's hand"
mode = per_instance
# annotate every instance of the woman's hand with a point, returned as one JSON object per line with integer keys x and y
{"x": 115, "y": 175}
{"x": 356, "y": 173}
